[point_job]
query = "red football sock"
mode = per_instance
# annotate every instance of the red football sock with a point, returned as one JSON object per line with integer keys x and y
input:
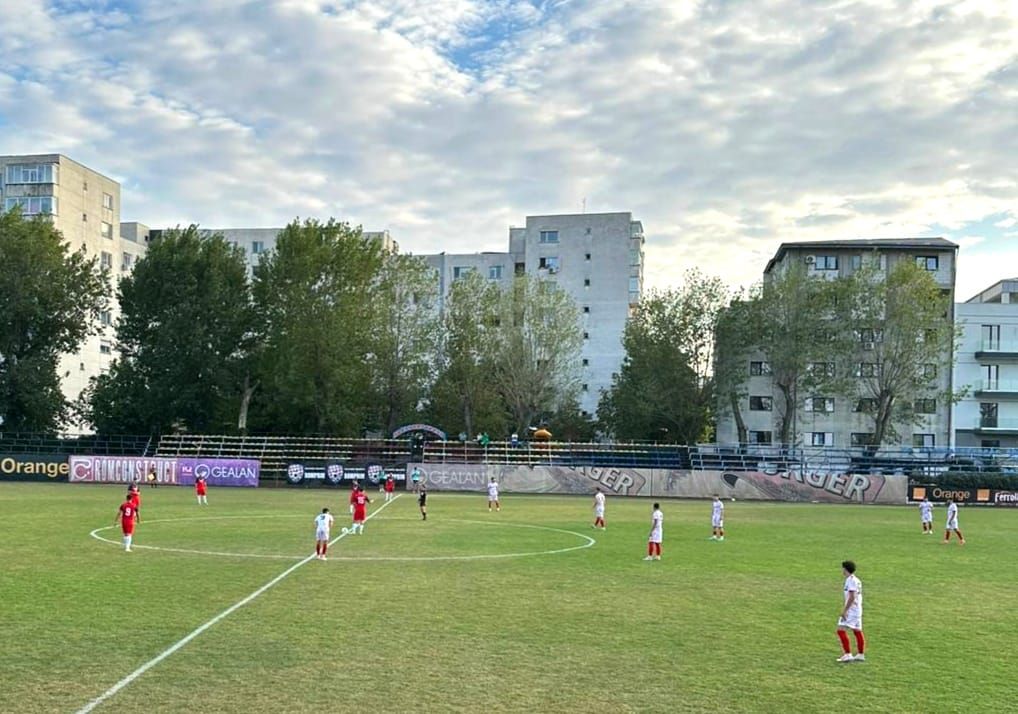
{"x": 860, "y": 641}
{"x": 843, "y": 636}
{"x": 960, "y": 536}
{"x": 318, "y": 548}
{"x": 325, "y": 547}
{"x": 650, "y": 549}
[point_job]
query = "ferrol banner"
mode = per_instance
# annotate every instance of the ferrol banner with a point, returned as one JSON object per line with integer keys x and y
{"x": 33, "y": 467}
{"x": 219, "y": 472}
{"x": 808, "y": 486}
{"x": 977, "y": 496}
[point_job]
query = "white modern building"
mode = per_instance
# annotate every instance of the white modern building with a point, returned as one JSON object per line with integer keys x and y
{"x": 828, "y": 420}
{"x": 597, "y": 258}
{"x": 986, "y": 366}
{"x": 84, "y": 206}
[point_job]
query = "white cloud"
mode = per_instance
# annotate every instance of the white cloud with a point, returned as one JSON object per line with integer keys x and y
{"x": 726, "y": 128}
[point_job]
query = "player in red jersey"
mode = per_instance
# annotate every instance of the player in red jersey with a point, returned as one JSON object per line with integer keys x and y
{"x": 199, "y": 490}
{"x": 360, "y": 509}
{"x": 128, "y": 516}
{"x": 390, "y": 486}
{"x": 134, "y": 496}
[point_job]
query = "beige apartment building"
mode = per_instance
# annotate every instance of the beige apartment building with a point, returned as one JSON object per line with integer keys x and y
{"x": 84, "y": 205}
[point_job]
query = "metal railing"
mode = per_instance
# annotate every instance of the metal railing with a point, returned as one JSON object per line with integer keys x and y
{"x": 996, "y": 423}
{"x": 558, "y": 453}
{"x": 71, "y": 443}
{"x": 995, "y": 385}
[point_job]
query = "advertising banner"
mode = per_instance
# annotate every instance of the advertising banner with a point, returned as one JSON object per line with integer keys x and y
{"x": 33, "y": 467}
{"x": 219, "y": 472}
{"x": 975, "y": 496}
{"x": 123, "y": 469}
{"x": 334, "y": 474}
{"x": 806, "y": 485}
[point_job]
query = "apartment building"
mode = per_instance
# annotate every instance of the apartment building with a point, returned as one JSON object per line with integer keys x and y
{"x": 84, "y": 205}
{"x": 986, "y": 367}
{"x": 597, "y": 258}
{"x": 826, "y": 420}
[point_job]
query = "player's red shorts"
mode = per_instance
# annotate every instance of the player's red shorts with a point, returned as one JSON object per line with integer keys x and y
{"x": 127, "y": 526}
{"x": 200, "y": 488}
{"x": 358, "y": 515}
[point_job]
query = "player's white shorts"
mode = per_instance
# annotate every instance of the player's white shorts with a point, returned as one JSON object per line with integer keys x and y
{"x": 927, "y": 519}
{"x": 599, "y": 511}
{"x": 492, "y": 497}
{"x": 655, "y": 537}
{"x": 952, "y": 525}
{"x": 717, "y": 522}
{"x": 852, "y": 621}
{"x": 321, "y": 535}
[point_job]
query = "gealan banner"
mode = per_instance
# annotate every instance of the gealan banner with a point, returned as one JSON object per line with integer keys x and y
{"x": 168, "y": 470}
{"x": 33, "y": 467}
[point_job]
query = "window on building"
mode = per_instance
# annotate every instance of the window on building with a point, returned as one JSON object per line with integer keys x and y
{"x": 819, "y": 404}
{"x": 866, "y": 405}
{"x": 988, "y": 414}
{"x": 105, "y": 318}
{"x": 821, "y": 438}
{"x": 928, "y": 262}
{"x": 257, "y": 247}
{"x": 925, "y": 406}
{"x": 586, "y": 282}
{"x": 760, "y": 437}
{"x": 761, "y": 404}
{"x": 586, "y": 362}
{"x": 821, "y": 369}
{"x": 105, "y": 347}
{"x": 586, "y": 309}
{"x": 549, "y": 263}
{"x": 107, "y": 201}
{"x": 587, "y": 231}
{"x": 867, "y": 369}
{"x": 520, "y": 268}
{"x": 127, "y": 261}
{"x": 461, "y": 271}
{"x": 990, "y": 443}
{"x": 991, "y": 337}
{"x": 862, "y": 438}
{"x": 927, "y": 336}
{"x": 549, "y": 237}
{"x": 494, "y": 272}
{"x": 991, "y": 376}
{"x": 825, "y": 262}
{"x": 855, "y": 262}
{"x": 106, "y": 260}
{"x": 32, "y": 205}
{"x": 584, "y": 387}
{"x": 634, "y": 285}
{"x": 758, "y": 369}
{"x": 868, "y": 336}
{"x": 106, "y": 230}
{"x": 924, "y": 441}
{"x": 634, "y": 256}
{"x": 33, "y": 173}
{"x": 84, "y": 218}
{"x": 586, "y": 256}
{"x": 929, "y": 371}
{"x": 586, "y": 335}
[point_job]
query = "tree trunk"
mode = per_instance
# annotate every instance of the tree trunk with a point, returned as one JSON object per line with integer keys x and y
{"x": 740, "y": 423}
{"x": 789, "y": 416}
{"x": 883, "y": 417}
{"x": 245, "y": 402}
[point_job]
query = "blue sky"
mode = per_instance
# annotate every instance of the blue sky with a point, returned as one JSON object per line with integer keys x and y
{"x": 726, "y": 127}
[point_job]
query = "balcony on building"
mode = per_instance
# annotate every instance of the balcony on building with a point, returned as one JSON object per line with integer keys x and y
{"x": 995, "y": 350}
{"x": 997, "y": 425}
{"x": 996, "y": 387}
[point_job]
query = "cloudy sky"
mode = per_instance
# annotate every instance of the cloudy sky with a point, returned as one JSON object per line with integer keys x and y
{"x": 726, "y": 126}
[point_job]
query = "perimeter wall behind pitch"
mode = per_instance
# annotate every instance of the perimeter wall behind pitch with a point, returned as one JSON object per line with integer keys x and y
{"x": 808, "y": 486}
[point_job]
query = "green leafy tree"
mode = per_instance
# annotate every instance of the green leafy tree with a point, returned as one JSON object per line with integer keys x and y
{"x": 734, "y": 338}
{"x": 50, "y": 299}
{"x": 406, "y": 338}
{"x": 664, "y": 390}
{"x": 316, "y": 295}
{"x": 898, "y": 339}
{"x": 184, "y": 336}
{"x": 535, "y": 355}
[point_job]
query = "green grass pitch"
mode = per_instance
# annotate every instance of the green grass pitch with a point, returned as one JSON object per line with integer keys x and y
{"x": 408, "y": 618}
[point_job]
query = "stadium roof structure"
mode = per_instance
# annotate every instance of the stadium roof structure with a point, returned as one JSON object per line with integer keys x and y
{"x": 864, "y": 244}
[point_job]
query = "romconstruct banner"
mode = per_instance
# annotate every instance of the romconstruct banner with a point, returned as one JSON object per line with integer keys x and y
{"x": 807, "y": 486}
{"x": 168, "y": 470}
{"x": 33, "y": 467}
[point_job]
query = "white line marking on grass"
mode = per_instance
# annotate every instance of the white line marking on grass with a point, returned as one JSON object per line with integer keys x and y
{"x": 233, "y": 608}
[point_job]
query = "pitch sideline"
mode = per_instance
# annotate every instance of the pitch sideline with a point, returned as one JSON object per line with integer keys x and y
{"x": 199, "y": 630}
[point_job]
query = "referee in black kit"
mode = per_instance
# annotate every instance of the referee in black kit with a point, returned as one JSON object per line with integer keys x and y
{"x": 422, "y": 501}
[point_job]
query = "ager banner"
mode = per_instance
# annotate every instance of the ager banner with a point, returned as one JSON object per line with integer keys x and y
{"x": 807, "y": 486}
{"x": 168, "y": 470}
{"x": 33, "y": 467}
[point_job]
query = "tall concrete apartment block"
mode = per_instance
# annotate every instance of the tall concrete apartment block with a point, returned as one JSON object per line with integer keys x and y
{"x": 986, "y": 366}
{"x": 838, "y": 423}
{"x": 84, "y": 206}
{"x": 597, "y": 258}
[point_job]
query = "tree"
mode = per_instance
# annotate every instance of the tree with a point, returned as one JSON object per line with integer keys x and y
{"x": 899, "y": 340}
{"x": 664, "y": 390}
{"x": 315, "y": 293}
{"x": 464, "y": 397}
{"x": 406, "y": 338}
{"x": 184, "y": 335}
{"x": 535, "y": 355}
{"x": 734, "y": 339}
{"x": 51, "y": 299}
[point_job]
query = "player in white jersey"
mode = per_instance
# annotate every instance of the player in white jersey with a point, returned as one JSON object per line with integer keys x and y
{"x": 717, "y": 519}
{"x": 599, "y": 509}
{"x": 851, "y": 616}
{"x": 926, "y": 516}
{"x": 656, "y": 534}
{"x": 323, "y": 524}
{"x": 952, "y": 523}
{"x": 493, "y": 496}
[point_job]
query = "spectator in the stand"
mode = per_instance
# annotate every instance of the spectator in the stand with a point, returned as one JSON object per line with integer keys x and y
{"x": 542, "y": 434}
{"x": 415, "y": 479}
{"x": 514, "y": 440}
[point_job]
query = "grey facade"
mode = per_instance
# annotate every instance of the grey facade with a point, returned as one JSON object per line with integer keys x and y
{"x": 986, "y": 366}
{"x": 597, "y": 258}
{"x": 84, "y": 206}
{"x": 835, "y": 422}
